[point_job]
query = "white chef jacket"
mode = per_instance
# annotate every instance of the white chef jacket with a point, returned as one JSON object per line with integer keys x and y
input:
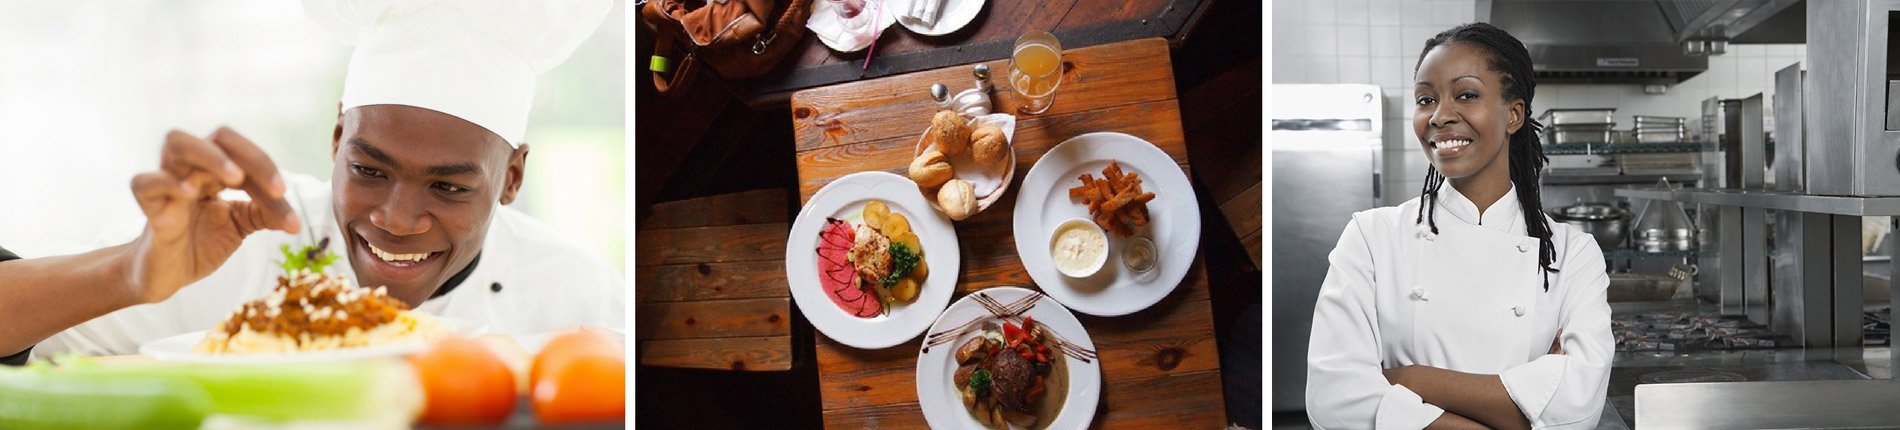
{"x": 547, "y": 284}
{"x": 1468, "y": 298}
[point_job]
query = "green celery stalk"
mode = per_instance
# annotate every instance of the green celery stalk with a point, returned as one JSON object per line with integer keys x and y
{"x": 51, "y": 399}
{"x": 362, "y": 391}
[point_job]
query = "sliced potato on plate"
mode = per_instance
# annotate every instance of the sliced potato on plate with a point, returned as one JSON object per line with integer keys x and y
{"x": 874, "y": 214}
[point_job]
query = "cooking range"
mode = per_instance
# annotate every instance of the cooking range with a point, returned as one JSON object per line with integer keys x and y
{"x": 1690, "y": 332}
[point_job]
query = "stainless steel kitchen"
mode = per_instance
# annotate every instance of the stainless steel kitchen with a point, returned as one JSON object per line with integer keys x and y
{"x": 1736, "y": 162}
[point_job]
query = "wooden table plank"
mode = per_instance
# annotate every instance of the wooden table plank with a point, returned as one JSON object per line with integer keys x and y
{"x": 765, "y": 353}
{"x": 880, "y": 109}
{"x": 754, "y": 242}
{"x": 747, "y": 207}
{"x": 707, "y": 281}
{"x": 714, "y": 318}
{"x": 1167, "y": 350}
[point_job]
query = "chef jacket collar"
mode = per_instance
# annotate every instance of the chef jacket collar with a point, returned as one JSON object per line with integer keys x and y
{"x": 457, "y": 279}
{"x": 1504, "y": 215}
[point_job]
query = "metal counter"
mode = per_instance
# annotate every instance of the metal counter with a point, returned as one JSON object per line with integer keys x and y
{"x": 1778, "y": 200}
{"x": 1783, "y": 388}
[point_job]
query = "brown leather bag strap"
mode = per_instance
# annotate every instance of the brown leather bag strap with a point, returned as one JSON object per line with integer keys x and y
{"x": 796, "y": 12}
{"x": 682, "y": 73}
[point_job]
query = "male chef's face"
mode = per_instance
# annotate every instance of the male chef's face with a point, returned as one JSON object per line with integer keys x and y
{"x": 1464, "y": 119}
{"x": 414, "y": 190}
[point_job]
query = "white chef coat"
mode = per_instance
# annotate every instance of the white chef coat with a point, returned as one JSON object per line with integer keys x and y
{"x": 547, "y": 284}
{"x": 1468, "y": 298}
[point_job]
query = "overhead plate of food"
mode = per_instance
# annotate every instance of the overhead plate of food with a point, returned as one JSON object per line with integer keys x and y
{"x": 1008, "y": 372}
{"x": 311, "y": 316}
{"x": 869, "y": 262}
{"x": 1146, "y": 224}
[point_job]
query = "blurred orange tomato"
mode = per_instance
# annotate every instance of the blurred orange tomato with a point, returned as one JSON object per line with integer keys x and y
{"x": 465, "y": 383}
{"x": 568, "y": 345}
{"x": 580, "y": 377}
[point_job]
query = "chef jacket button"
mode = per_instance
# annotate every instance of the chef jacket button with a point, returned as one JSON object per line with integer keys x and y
{"x": 1418, "y": 293}
{"x": 1524, "y": 246}
{"x": 495, "y": 286}
{"x": 1519, "y": 310}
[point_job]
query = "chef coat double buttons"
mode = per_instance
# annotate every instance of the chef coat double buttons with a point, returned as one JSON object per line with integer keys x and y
{"x": 1418, "y": 293}
{"x": 1524, "y": 245}
{"x": 1519, "y": 310}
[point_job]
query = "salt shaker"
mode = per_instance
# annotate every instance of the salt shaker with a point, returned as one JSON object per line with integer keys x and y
{"x": 971, "y": 102}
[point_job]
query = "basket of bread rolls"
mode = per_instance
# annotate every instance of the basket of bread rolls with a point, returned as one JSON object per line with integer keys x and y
{"x": 965, "y": 164}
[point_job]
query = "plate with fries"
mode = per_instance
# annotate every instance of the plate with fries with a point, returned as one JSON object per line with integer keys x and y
{"x": 1141, "y": 199}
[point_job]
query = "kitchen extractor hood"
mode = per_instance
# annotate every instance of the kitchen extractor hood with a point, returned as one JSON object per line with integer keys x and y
{"x": 1638, "y": 41}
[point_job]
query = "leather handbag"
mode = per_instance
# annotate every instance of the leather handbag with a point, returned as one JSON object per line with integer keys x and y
{"x": 735, "y": 38}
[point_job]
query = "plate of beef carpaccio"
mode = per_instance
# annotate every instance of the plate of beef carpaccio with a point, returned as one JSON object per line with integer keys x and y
{"x": 869, "y": 263}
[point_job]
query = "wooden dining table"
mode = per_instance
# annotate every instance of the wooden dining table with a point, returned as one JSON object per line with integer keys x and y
{"x": 1160, "y": 366}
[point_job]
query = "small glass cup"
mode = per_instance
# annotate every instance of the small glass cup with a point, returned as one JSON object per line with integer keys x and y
{"x": 1140, "y": 255}
{"x": 1035, "y": 70}
{"x": 848, "y": 9}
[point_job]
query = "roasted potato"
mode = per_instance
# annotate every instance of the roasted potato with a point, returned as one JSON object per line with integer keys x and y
{"x": 895, "y": 224}
{"x": 973, "y": 351}
{"x": 905, "y": 291}
{"x": 874, "y": 214}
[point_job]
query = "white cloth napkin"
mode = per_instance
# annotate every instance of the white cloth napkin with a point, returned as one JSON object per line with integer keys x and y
{"x": 922, "y": 13}
{"x": 854, "y": 34}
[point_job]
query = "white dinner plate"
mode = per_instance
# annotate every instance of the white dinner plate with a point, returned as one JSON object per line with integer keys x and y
{"x": 1174, "y": 223}
{"x": 178, "y": 349}
{"x": 936, "y": 366}
{"x": 843, "y": 199}
{"x": 835, "y": 32}
{"x": 955, "y": 14}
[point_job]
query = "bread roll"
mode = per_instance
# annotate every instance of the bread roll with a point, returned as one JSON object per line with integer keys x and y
{"x": 931, "y": 169}
{"x": 987, "y": 145}
{"x": 958, "y": 198}
{"x": 951, "y": 133}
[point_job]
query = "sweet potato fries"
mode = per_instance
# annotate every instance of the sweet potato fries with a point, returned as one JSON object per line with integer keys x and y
{"x": 1116, "y": 202}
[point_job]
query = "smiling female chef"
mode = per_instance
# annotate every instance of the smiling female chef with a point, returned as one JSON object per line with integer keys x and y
{"x": 428, "y": 146}
{"x": 1466, "y": 307}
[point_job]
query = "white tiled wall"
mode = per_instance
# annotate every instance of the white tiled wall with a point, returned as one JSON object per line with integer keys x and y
{"x": 1378, "y": 42}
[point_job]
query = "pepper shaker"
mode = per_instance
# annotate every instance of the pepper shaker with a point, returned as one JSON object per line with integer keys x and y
{"x": 971, "y": 102}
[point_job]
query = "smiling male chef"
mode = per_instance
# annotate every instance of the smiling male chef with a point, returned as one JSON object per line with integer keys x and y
{"x": 428, "y": 147}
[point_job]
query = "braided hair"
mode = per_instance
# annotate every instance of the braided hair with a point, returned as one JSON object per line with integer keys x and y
{"x": 1510, "y": 59}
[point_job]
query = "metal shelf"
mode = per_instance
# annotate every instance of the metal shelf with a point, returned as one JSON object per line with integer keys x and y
{"x": 1621, "y": 148}
{"x": 1777, "y": 200}
{"x": 1567, "y": 178}
{"x": 1630, "y": 254}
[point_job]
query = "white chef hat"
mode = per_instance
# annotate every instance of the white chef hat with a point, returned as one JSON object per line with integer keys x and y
{"x": 474, "y": 59}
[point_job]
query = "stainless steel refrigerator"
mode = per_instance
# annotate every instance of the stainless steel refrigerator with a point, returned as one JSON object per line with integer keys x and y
{"x": 1327, "y": 157}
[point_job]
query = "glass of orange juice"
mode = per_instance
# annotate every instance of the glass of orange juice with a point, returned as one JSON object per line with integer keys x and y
{"x": 1035, "y": 69}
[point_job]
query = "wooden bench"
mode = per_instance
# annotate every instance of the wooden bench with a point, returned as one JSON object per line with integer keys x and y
{"x": 709, "y": 283}
{"x": 1224, "y": 138}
